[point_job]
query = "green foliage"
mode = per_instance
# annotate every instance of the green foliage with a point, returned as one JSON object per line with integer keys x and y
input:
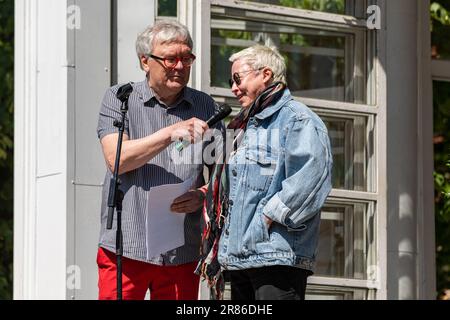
{"x": 439, "y": 13}
{"x": 332, "y": 6}
{"x": 441, "y": 115}
{"x": 6, "y": 145}
{"x": 6, "y": 252}
{"x": 440, "y": 26}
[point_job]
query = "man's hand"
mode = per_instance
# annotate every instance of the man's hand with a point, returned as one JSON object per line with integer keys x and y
{"x": 191, "y": 201}
{"x": 192, "y": 130}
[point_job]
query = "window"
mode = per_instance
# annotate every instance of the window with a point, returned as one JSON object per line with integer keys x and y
{"x": 346, "y": 240}
{"x": 440, "y": 36}
{"x": 348, "y": 142}
{"x": 167, "y": 8}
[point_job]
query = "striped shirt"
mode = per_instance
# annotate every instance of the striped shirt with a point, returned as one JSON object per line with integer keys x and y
{"x": 145, "y": 116}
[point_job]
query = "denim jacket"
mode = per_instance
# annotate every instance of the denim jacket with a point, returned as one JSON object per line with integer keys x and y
{"x": 281, "y": 169}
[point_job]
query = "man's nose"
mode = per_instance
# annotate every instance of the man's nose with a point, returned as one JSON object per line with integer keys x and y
{"x": 179, "y": 65}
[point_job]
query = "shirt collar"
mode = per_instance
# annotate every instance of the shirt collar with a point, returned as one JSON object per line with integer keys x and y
{"x": 146, "y": 93}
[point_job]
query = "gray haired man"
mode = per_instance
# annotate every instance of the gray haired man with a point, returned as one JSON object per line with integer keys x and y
{"x": 161, "y": 109}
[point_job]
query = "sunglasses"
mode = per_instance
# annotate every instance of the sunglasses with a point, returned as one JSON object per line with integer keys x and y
{"x": 237, "y": 78}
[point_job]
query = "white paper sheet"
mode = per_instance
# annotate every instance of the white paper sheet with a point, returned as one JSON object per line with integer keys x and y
{"x": 164, "y": 228}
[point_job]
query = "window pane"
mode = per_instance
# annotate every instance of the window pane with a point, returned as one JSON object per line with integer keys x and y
{"x": 343, "y": 241}
{"x": 167, "y": 8}
{"x": 315, "y": 292}
{"x": 440, "y": 35}
{"x": 320, "y": 64}
{"x": 348, "y": 144}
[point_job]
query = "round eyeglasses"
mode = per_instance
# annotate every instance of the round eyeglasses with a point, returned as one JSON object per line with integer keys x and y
{"x": 172, "y": 62}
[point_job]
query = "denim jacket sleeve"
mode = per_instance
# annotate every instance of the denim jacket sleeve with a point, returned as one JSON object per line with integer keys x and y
{"x": 308, "y": 162}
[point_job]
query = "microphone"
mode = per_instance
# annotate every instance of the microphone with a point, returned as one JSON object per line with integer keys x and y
{"x": 224, "y": 111}
{"x": 124, "y": 92}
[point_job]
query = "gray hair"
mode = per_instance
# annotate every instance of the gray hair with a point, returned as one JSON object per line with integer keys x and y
{"x": 259, "y": 56}
{"x": 162, "y": 32}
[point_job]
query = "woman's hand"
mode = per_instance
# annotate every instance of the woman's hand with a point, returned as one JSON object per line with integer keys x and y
{"x": 189, "y": 202}
{"x": 268, "y": 221}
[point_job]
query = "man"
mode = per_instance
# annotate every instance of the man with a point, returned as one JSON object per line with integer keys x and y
{"x": 161, "y": 110}
{"x": 274, "y": 186}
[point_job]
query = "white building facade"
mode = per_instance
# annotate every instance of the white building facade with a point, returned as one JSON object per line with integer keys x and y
{"x": 364, "y": 66}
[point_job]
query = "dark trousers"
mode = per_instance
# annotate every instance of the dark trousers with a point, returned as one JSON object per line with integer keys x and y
{"x": 268, "y": 283}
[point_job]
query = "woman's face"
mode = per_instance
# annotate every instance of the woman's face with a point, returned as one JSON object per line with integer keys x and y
{"x": 252, "y": 82}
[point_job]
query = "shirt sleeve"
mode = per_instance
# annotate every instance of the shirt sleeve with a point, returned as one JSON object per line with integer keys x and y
{"x": 308, "y": 163}
{"x": 110, "y": 111}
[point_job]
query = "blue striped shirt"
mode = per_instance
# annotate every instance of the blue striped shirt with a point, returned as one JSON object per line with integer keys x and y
{"x": 145, "y": 116}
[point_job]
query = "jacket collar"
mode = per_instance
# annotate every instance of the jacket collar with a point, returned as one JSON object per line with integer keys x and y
{"x": 269, "y": 111}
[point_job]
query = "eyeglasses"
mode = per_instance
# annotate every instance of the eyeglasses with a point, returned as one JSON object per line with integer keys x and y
{"x": 172, "y": 62}
{"x": 237, "y": 78}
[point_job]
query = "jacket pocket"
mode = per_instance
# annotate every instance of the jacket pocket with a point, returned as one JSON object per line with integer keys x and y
{"x": 261, "y": 166}
{"x": 256, "y": 234}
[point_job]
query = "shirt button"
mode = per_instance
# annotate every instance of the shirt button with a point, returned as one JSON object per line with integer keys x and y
{"x": 234, "y": 172}
{"x": 227, "y": 232}
{"x": 230, "y": 202}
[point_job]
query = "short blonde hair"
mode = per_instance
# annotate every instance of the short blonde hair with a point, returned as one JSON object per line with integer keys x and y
{"x": 259, "y": 56}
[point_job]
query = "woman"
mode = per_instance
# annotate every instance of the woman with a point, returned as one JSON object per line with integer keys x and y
{"x": 262, "y": 209}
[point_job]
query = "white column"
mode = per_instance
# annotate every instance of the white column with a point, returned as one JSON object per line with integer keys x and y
{"x": 40, "y": 149}
{"x": 410, "y": 220}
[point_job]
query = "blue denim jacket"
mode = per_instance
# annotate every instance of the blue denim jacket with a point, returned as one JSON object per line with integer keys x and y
{"x": 281, "y": 169}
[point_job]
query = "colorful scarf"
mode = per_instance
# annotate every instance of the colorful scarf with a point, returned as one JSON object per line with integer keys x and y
{"x": 215, "y": 208}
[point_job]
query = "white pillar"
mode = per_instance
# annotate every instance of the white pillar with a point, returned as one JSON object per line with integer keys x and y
{"x": 40, "y": 171}
{"x": 410, "y": 220}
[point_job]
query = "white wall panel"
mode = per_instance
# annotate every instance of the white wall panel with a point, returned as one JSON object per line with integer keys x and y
{"x": 51, "y": 238}
{"x": 52, "y": 87}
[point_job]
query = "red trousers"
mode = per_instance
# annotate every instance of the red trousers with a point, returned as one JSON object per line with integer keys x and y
{"x": 165, "y": 282}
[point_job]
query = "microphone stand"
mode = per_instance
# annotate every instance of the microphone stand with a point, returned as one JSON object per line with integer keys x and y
{"x": 116, "y": 195}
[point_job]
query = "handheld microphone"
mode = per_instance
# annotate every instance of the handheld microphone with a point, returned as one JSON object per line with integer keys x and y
{"x": 224, "y": 111}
